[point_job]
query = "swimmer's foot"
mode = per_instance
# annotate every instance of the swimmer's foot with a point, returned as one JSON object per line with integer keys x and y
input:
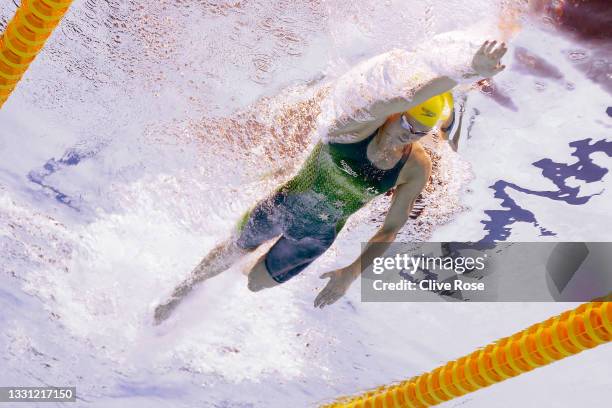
{"x": 164, "y": 310}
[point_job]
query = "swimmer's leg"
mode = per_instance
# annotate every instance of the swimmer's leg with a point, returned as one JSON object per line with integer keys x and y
{"x": 221, "y": 258}
{"x": 287, "y": 258}
{"x": 260, "y": 225}
{"x": 259, "y": 277}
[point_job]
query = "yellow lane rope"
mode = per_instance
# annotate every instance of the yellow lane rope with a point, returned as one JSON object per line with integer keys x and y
{"x": 24, "y": 37}
{"x": 583, "y": 328}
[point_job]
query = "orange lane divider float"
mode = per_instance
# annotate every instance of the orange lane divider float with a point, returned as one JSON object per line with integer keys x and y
{"x": 588, "y": 326}
{"x": 24, "y": 37}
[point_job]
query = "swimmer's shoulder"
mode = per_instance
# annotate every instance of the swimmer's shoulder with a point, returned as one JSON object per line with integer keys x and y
{"x": 417, "y": 167}
{"x": 352, "y": 137}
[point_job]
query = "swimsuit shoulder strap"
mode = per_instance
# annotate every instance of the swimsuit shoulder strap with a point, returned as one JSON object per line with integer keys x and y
{"x": 354, "y": 151}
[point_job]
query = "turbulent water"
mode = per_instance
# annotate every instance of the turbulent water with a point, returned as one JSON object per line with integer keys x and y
{"x": 145, "y": 129}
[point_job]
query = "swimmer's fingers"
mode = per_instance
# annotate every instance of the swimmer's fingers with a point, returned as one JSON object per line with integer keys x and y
{"x": 329, "y": 297}
{"x": 500, "y": 51}
{"x": 499, "y": 68}
{"x": 337, "y": 286}
{"x": 320, "y": 299}
{"x": 489, "y": 49}
{"x": 483, "y": 47}
{"x": 329, "y": 292}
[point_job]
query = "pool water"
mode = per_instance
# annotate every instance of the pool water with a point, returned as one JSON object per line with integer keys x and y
{"x": 145, "y": 129}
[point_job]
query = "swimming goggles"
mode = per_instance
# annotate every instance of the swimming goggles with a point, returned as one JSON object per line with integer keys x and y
{"x": 451, "y": 125}
{"x": 406, "y": 125}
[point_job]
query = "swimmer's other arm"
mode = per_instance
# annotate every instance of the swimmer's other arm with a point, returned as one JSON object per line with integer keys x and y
{"x": 379, "y": 111}
{"x": 404, "y": 197}
{"x": 485, "y": 63}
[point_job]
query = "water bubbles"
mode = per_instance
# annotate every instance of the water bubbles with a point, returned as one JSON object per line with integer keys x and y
{"x": 577, "y": 55}
{"x": 540, "y": 86}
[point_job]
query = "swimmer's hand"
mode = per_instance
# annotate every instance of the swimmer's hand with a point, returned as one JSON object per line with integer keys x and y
{"x": 339, "y": 282}
{"x": 487, "y": 61}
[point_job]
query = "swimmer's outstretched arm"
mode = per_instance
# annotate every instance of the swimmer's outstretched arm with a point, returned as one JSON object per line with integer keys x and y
{"x": 218, "y": 260}
{"x": 485, "y": 63}
{"x": 404, "y": 197}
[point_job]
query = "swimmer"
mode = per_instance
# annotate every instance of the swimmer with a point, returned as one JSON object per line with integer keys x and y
{"x": 359, "y": 160}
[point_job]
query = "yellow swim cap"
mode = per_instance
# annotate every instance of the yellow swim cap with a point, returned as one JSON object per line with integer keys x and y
{"x": 434, "y": 110}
